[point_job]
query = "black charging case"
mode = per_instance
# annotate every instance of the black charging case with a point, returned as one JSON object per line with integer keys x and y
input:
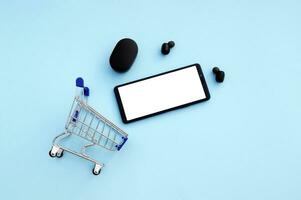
{"x": 124, "y": 55}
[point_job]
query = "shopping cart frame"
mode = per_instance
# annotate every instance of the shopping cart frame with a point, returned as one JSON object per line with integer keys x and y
{"x": 107, "y": 140}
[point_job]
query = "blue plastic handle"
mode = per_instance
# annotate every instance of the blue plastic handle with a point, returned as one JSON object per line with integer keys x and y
{"x": 86, "y": 91}
{"x": 121, "y": 145}
{"x": 80, "y": 82}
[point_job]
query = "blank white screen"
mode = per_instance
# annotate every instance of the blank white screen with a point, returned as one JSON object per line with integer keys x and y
{"x": 161, "y": 92}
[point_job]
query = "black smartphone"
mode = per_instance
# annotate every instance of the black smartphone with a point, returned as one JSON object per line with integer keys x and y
{"x": 161, "y": 93}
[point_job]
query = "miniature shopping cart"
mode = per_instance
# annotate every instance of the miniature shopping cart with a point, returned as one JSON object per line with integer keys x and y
{"x": 86, "y": 123}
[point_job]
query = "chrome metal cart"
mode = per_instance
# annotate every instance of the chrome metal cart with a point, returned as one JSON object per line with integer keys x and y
{"x": 86, "y": 123}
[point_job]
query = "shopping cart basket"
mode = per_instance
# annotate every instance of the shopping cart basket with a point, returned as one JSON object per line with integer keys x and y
{"x": 86, "y": 123}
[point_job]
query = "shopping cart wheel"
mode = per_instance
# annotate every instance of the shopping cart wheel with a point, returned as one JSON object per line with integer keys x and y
{"x": 52, "y": 155}
{"x": 95, "y": 172}
{"x": 60, "y": 154}
{"x": 97, "y": 169}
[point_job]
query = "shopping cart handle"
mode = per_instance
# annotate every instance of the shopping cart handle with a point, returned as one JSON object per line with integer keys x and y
{"x": 80, "y": 82}
{"x": 123, "y": 142}
{"x": 86, "y": 91}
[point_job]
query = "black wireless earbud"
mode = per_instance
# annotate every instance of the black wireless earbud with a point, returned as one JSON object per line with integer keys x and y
{"x": 165, "y": 49}
{"x": 219, "y": 75}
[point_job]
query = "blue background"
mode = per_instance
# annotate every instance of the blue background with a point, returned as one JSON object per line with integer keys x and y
{"x": 242, "y": 144}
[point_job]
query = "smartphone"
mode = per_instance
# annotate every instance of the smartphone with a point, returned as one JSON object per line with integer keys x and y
{"x": 161, "y": 93}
